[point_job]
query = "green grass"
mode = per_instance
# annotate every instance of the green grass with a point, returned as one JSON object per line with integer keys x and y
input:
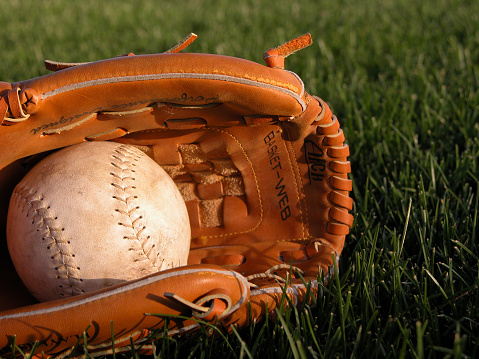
{"x": 403, "y": 78}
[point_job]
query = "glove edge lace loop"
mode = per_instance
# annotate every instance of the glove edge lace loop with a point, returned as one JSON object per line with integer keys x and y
{"x": 220, "y": 304}
{"x": 17, "y": 104}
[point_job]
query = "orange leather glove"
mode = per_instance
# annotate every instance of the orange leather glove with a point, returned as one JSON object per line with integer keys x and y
{"x": 261, "y": 164}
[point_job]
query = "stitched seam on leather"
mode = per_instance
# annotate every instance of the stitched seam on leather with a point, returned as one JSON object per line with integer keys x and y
{"x": 300, "y": 81}
{"x": 294, "y": 164}
{"x": 245, "y": 80}
{"x": 257, "y": 190}
{"x": 112, "y": 293}
{"x": 123, "y": 160}
{"x": 66, "y": 267}
{"x": 216, "y": 75}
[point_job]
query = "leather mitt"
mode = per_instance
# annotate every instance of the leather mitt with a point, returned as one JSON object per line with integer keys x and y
{"x": 261, "y": 164}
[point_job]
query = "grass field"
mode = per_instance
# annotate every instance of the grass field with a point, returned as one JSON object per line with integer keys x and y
{"x": 403, "y": 78}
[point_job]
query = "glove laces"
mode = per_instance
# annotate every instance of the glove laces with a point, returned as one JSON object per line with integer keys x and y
{"x": 217, "y": 303}
{"x": 16, "y": 105}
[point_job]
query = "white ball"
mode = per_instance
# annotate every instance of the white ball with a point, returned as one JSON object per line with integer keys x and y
{"x": 94, "y": 215}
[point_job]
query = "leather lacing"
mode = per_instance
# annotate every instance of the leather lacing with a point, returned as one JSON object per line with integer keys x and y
{"x": 274, "y": 58}
{"x": 269, "y": 274}
{"x": 17, "y": 105}
{"x": 333, "y": 140}
{"x": 217, "y": 303}
{"x": 57, "y": 66}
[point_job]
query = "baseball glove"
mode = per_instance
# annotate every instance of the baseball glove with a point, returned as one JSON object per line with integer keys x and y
{"x": 261, "y": 164}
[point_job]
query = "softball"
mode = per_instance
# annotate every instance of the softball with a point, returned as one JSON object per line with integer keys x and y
{"x": 94, "y": 215}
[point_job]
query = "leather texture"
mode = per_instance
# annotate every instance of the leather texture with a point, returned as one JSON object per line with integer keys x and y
{"x": 262, "y": 167}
